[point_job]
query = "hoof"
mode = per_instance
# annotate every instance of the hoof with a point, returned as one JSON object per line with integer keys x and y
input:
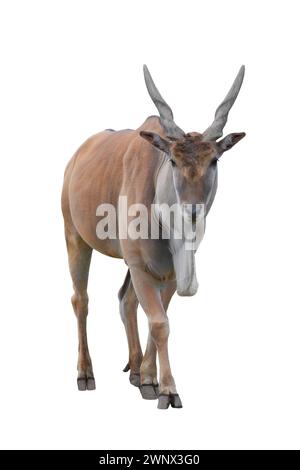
{"x": 149, "y": 391}
{"x": 165, "y": 400}
{"x": 134, "y": 379}
{"x": 84, "y": 383}
{"x": 81, "y": 384}
{"x": 91, "y": 384}
{"x": 175, "y": 401}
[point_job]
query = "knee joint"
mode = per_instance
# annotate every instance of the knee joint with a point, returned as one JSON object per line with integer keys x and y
{"x": 159, "y": 330}
{"x": 80, "y": 303}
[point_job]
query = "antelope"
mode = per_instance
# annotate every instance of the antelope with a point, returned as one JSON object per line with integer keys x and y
{"x": 157, "y": 162}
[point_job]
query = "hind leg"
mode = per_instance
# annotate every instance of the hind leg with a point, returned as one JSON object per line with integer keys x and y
{"x": 79, "y": 254}
{"x": 128, "y": 310}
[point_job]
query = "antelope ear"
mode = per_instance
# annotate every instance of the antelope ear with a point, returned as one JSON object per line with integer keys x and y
{"x": 156, "y": 140}
{"x": 229, "y": 141}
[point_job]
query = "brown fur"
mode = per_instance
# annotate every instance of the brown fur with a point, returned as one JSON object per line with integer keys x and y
{"x": 133, "y": 163}
{"x": 192, "y": 155}
{"x": 113, "y": 164}
{"x": 106, "y": 166}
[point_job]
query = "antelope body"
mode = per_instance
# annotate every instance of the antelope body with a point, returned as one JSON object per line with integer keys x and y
{"x": 156, "y": 162}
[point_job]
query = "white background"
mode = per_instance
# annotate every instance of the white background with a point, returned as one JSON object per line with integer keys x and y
{"x": 72, "y": 68}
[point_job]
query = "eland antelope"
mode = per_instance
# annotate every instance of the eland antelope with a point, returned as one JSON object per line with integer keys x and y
{"x": 158, "y": 162}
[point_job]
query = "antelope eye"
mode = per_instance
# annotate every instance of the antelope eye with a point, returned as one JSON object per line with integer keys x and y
{"x": 172, "y": 162}
{"x": 215, "y": 161}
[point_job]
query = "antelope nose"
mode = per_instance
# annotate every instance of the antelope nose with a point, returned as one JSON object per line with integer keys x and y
{"x": 195, "y": 211}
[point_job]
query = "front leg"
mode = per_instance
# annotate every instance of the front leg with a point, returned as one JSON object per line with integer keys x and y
{"x": 148, "y": 292}
{"x": 149, "y": 384}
